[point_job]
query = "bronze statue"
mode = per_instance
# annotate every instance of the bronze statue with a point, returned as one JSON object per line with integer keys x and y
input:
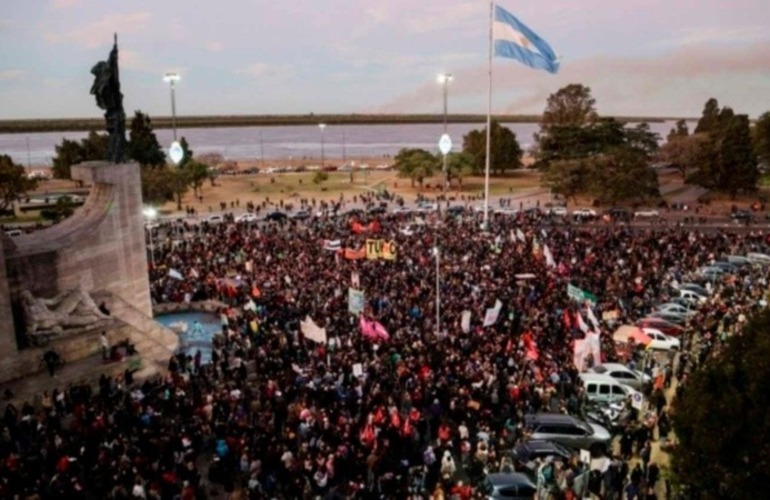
{"x": 106, "y": 88}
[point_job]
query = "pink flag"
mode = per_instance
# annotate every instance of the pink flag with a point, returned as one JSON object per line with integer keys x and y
{"x": 381, "y": 332}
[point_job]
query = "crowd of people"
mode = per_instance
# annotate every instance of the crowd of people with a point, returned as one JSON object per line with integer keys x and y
{"x": 426, "y": 413}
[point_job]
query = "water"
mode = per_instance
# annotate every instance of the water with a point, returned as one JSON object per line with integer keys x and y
{"x": 287, "y": 142}
{"x": 192, "y": 340}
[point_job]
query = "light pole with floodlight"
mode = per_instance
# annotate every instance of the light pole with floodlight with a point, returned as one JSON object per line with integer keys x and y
{"x": 444, "y": 79}
{"x": 151, "y": 213}
{"x": 171, "y": 79}
{"x": 322, "y": 126}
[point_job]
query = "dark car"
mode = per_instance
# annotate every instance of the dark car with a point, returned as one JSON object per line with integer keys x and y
{"x": 376, "y": 211}
{"x": 742, "y": 215}
{"x": 509, "y": 486}
{"x": 528, "y": 451}
{"x": 455, "y": 210}
{"x": 276, "y": 216}
{"x": 619, "y": 214}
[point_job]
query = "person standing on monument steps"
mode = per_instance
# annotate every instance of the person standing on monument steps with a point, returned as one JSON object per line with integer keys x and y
{"x": 105, "y": 345}
{"x": 52, "y": 360}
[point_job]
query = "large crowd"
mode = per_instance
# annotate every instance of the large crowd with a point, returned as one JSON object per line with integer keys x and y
{"x": 425, "y": 414}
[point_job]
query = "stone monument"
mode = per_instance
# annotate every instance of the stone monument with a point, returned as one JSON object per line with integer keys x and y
{"x": 51, "y": 280}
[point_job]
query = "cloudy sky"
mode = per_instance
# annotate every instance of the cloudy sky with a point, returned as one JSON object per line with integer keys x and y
{"x": 640, "y": 57}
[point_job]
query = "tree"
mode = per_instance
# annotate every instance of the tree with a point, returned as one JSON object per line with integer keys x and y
{"x": 187, "y": 153}
{"x": 459, "y": 165}
{"x": 680, "y": 130}
{"x": 416, "y": 164}
{"x": 604, "y": 158}
{"x": 738, "y": 163}
{"x": 505, "y": 149}
{"x": 709, "y": 120}
{"x": 761, "y": 138}
{"x": 156, "y": 185}
{"x": 320, "y": 177}
{"x": 197, "y": 172}
{"x": 179, "y": 183}
{"x": 68, "y": 153}
{"x": 570, "y": 106}
{"x": 685, "y": 153}
{"x": 721, "y": 420}
{"x": 14, "y": 183}
{"x": 143, "y": 145}
{"x": 63, "y": 208}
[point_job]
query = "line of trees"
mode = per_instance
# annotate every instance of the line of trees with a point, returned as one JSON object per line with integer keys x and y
{"x": 722, "y": 153}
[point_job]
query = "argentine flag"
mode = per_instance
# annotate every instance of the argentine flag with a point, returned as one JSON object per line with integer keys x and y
{"x": 515, "y": 41}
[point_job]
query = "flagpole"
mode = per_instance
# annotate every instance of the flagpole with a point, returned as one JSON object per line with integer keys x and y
{"x": 489, "y": 124}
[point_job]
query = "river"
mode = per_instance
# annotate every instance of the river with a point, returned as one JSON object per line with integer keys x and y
{"x": 285, "y": 142}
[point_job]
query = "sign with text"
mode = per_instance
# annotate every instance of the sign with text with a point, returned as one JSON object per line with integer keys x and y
{"x": 380, "y": 249}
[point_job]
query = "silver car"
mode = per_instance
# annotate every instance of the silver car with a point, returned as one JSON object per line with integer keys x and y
{"x": 569, "y": 431}
{"x": 623, "y": 374}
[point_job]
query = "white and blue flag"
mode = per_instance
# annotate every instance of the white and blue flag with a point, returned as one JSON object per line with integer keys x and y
{"x": 516, "y": 41}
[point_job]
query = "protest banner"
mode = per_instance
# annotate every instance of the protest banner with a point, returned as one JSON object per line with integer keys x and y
{"x": 355, "y": 301}
{"x": 380, "y": 249}
{"x": 490, "y": 317}
{"x": 311, "y": 331}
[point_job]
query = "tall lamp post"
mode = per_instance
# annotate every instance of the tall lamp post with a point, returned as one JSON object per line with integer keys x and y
{"x": 171, "y": 79}
{"x": 444, "y": 80}
{"x": 150, "y": 213}
{"x": 438, "y": 292}
{"x": 322, "y": 126}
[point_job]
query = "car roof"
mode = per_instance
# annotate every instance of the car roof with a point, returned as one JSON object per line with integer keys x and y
{"x": 549, "y": 417}
{"x": 615, "y": 366}
{"x": 597, "y": 377}
{"x": 509, "y": 478}
{"x": 541, "y": 445}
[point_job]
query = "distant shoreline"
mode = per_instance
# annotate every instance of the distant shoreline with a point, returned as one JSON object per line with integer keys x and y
{"x": 163, "y": 122}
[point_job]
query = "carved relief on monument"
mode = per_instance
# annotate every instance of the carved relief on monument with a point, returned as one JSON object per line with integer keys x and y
{"x": 70, "y": 310}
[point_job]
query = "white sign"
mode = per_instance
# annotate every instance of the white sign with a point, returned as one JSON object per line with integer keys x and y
{"x": 445, "y": 144}
{"x": 175, "y": 152}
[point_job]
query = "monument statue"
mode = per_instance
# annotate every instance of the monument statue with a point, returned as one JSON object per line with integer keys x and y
{"x": 70, "y": 309}
{"x": 106, "y": 88}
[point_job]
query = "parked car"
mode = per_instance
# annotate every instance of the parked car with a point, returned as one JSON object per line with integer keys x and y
{"x": 508, "y": 486}
{"x": 557, "y": 211}
{"x": 646, "y": 213}
{"x": 18, "y": 232}
{"x": 276, "y": 216}
{"x": 623, "y": 374}
{"x": 673, "y": 307}
{"x": 667, "y": 327}
{"x": 742, "y": 215}
{"x": 694, "y": 287}
{"x": 247, "y": 217}
{"x": 661, "y": 341}
{"x": 584, "y": 213}
{"x": 618, "y": 214}
{"x": 215, "y": 219}
{"x": 671, "y": 317}
{"x": 692, "y": 296}
{"x": 455, "y": 210}
{"x": 528, "y": 451}
{"x": 605, "y": 389}
{"x": 569, "y": 431}
{"x": 376, "y": 211}
{"x": 301, "y": 215}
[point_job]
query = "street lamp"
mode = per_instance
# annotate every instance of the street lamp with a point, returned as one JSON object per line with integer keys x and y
{"x": 150, "y": 213}
{"x": 171, "y": 79}
{"x": 444, "y": 79}
{"x": 322, "y": 126}
{"x": 438, "y": 293}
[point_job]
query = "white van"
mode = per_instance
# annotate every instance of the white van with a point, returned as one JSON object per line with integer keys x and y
{"x": 14, "y": 232}
{"x": 605, "y": 389}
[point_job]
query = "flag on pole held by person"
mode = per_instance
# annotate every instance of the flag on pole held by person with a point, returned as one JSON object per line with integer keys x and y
{"x": 355, "y": 301}
{"x": 514, "y": 40}
{"x": 173, "y": 273}
{"x": 373, "y": 330}
{"x": 311, "y": 331}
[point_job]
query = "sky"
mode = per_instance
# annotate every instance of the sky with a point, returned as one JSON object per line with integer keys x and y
{"x": 639, "y": 57}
